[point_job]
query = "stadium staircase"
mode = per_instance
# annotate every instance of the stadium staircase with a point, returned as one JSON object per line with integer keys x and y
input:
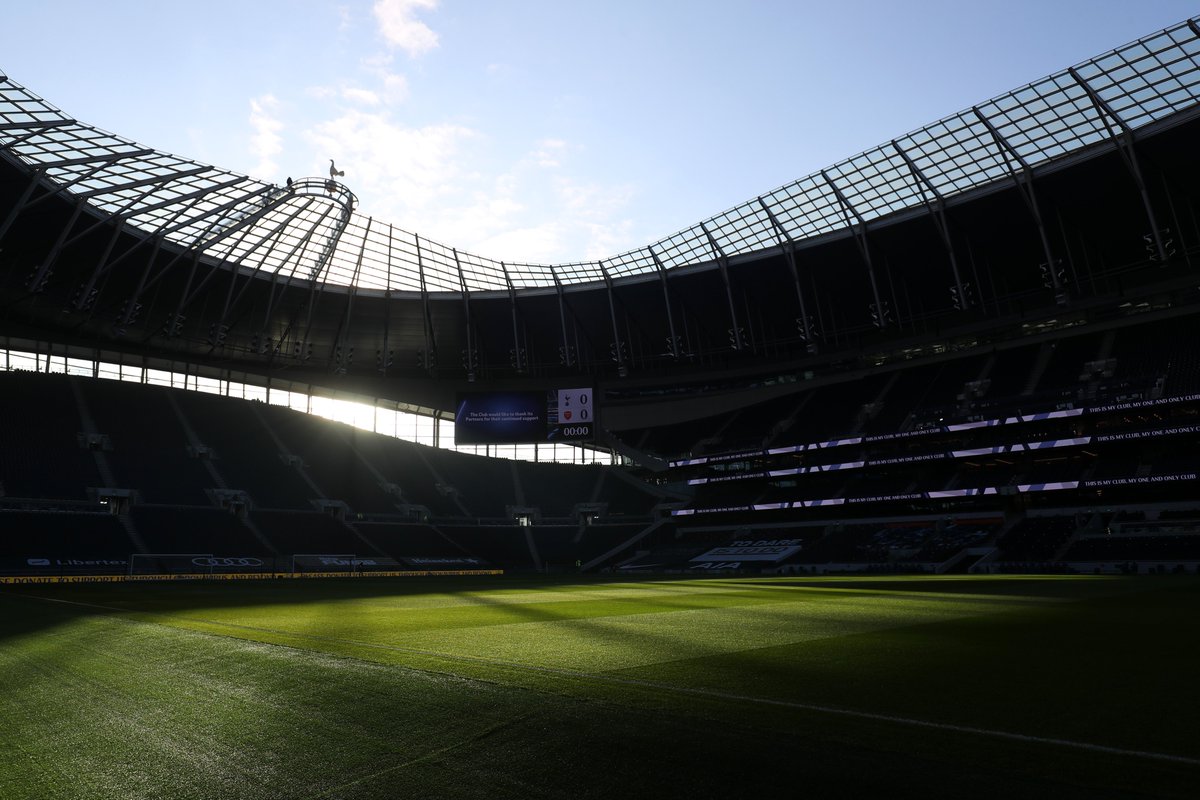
{"x": 616, "y": 551}
{"x": 443, "y": 486}
{"x": 287, "y": 455}
{"x": 102, "y": 464}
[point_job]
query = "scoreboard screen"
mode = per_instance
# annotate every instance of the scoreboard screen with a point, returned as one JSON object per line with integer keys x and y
{"x": 525, "y": 417}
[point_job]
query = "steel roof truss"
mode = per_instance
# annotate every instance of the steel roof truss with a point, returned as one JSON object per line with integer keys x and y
{"x": 132, "y": 306}
{"x": 672, "y": 338}
{"x": 735, "y": 332}
{"x": 470, "y": 355}
{"x": 803, "y": 322}
{"x": 274, "y": 296}
{"x": 37, "y": 125}
{"x": 153, "y": 179}
{"x": 937, "y": 212}
{"x": 618, "y": 346}
{"x": 156, "y": 236}
{"x": 21, "y": 204}
{"x": 342, "y": 355}
{"x": 189, "y": 294}
{"x": 82, "y": 300}
{"x": 518, "y": 352}
{"x": 102, "y": 157}
{"x": 882, "y": 318}
{"x": 1125, "y": 146}
{"x": 38, "y": 281}
{"x": 1024, "y": 183}
{"x": 566, "y": 352}
{"x": 428, "y": 356}
{"x": 60, "y": 188}
{"x": 106, "y": 219}
{"x": 198, "y": 194}
{"x": 230, "y": 300}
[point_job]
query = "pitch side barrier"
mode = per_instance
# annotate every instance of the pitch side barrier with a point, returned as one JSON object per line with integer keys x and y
{"x": 242, "y": 576}
{"x": 1018, "y": 419}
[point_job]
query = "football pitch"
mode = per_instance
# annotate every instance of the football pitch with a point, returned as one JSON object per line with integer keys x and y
{"x": 584, "y": 687}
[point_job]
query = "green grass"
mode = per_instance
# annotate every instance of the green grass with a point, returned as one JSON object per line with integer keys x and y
{"x": 503, "y": 687}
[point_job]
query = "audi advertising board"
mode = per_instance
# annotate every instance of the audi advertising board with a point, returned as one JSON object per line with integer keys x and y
{"x": 527, "y": 417}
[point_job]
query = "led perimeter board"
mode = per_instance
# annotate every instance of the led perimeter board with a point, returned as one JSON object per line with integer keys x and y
{"x": 525, "y": 417}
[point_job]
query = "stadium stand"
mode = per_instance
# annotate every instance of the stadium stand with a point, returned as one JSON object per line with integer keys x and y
{"x": 794, "y": 368}
{"x": 43, "y": 453}
{"x": 244, "y": 452}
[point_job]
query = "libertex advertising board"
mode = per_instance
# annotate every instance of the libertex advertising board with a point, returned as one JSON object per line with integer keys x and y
{"x": 525, "y": 417}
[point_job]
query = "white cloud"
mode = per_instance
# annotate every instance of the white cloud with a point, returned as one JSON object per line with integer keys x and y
{"x": 549, "y": 152}
{"x": 265, "y": 141}
{"x": 364, "y": 97}
{"x": 442, "y": 182}
{"x": 548, "y": 217}
{"x": 400, "y": 28}
{"x": 321, "y": 92}
{"x": 395, "y": 86}
{"x": 406, "y": 170}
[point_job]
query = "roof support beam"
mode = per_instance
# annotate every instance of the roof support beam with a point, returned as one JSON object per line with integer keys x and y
{"x": 85, "y": 293}
{"x": 1024, "y": 183}
{"x": 803, "y": 322}
{"x": 1124, "y": 142}
{"x": 21, "y": 204}
{"x": 168, "y": 226}
{"x": 38, "y": 281}
{"x": 108, "y": 219}
{"x": 882, "y": 318}
{"x": 231, "y": 300}
{"x": 428, "y": 356}
{"x": 56, "y": 190}
{"x": 107, "y": 158}
{"x": 672, "y": 338}
{"x": 343, "y": 353}
{"x": 937, "y": 212}
{"x": 470, "y": 355}
{"x": 383, "y": 359}
{"x": 37, "y": 126}
{"x": 618, "y": 347}
{"x": 189, "y": 294}
{"x": 735, "y": 331}
{"x": 198, "y": 194}
{"x": 200, "y": 244}
{"x": 155, "y": 179}
{"x": 132, "y": 306}
{"x": 518, "y": 352}
{"x": 566, "y": 351}
{"x": 295, "y": 257}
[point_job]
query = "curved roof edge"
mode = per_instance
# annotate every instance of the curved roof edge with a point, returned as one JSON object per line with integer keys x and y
{"x": 312, "y": 231}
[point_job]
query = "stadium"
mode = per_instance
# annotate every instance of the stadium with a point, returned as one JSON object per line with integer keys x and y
{"x": 883, "y": 481}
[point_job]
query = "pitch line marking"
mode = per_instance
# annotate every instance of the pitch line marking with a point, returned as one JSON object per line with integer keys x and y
{"x": 667, "y": 687}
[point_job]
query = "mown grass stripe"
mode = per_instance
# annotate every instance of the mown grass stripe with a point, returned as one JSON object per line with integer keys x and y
{"x": 1090, "y": 747}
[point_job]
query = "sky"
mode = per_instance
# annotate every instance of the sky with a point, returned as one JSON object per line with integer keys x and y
{"x": 544, "y": 132}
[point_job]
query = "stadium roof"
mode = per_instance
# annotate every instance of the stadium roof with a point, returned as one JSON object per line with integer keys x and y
{"x": 312, "y": 229}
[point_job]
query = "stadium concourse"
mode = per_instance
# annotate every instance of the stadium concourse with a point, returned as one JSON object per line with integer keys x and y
{"x": 968, "y": 349}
